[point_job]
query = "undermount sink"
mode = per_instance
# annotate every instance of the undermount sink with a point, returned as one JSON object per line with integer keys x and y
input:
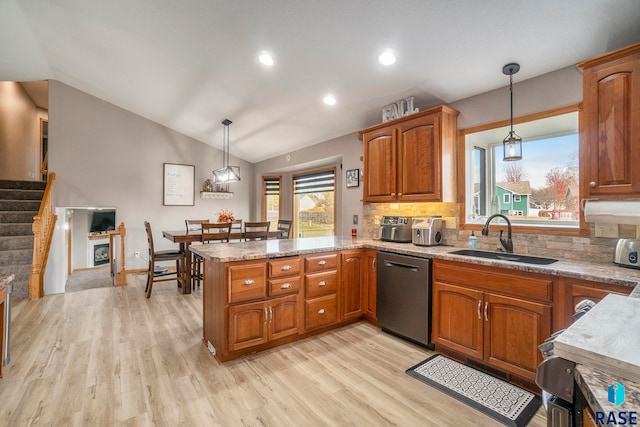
{"x": 505, "y": 256}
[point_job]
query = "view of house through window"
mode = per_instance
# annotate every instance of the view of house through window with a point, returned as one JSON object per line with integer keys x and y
{"x": 271, "y": 200}
{"x": 314, "y": 203}
{"x": 541, "y": 189}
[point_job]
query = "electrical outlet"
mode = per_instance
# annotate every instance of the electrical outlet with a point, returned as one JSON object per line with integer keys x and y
{"x": 355, "y": 219}
{"x": 607, "y": 230}
{"x": 137, "y": 254}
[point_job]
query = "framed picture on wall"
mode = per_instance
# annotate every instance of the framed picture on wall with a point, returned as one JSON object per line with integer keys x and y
{"x": 353, "y": 178}
{"x": 178, "y": 185}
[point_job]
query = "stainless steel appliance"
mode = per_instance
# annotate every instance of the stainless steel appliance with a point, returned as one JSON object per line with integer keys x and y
{"x": 404, "y": 296}
{"x": 427, "y": 231}
{"x": 396, "y": 229}
{"x": 626, "y": 253}
{"x": 562, "y": 400}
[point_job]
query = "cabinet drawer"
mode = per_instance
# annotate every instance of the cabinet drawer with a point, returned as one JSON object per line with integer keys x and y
{"x": 322, "y": 262}
{"x": 284, "y": 286}
{"x": 284, "y": 267}
{"x": 247, "y": 282}
{"x": 321, "y": 311}
{"x": 321, "y": 284}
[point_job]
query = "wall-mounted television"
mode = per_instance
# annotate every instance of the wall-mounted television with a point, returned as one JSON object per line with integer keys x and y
{"x": 103, "y": 221}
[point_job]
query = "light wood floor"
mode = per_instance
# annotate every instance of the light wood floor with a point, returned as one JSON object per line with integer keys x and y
{"x": 109, "y": 356}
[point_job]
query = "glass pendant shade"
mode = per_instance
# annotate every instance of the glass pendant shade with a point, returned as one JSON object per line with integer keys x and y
{"x": 226, "y": 173}
{"x": 512, "y": 144}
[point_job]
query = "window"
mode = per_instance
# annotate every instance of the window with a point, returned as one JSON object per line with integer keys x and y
{"x": 271, "y": 200}
{"x": 541, "y": 190}
{"x": 314, "y": 203}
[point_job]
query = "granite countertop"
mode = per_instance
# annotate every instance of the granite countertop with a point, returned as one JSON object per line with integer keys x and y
{"x": 594, "y": 384}
{"x": 225, "y": 252}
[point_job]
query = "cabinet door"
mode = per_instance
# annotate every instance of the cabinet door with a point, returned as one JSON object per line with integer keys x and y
{"x": 457, "y": 322}
{"x": 609, "y": 151}
{"x": 574, "y": 291}
{"x": 379, "y": 181}
{"x": 370, "y": 284}
{"x": 247, "y": 325}
{"x": 513, "y": 330}
{"x": 419, "y": 160}
{"x": 351, "y": 288}
{"x": 283, "y": 317}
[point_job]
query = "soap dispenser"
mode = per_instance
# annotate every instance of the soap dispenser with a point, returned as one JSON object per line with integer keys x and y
{"x": 473, "y": 241}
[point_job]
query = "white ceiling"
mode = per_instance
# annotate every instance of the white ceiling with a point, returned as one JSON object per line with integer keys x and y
{"x": 189, "y": 64}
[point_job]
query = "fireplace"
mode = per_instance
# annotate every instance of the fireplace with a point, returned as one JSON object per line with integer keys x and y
{"x": 101, "y": 254}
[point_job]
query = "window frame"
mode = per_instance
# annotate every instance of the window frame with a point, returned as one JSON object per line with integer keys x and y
{"x": 583, "y": 227}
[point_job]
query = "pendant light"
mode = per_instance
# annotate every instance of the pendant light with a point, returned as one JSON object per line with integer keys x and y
{"x": 226, "y": 173}
{"x": 512, "y": 144}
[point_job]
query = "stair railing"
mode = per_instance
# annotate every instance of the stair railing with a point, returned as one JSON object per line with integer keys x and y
{"x": 43, "y": 227}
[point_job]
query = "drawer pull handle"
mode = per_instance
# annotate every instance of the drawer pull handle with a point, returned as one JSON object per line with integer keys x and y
{"x": 285, "y": 286}
{"x": 323, "y": 262}
{"x": 322, "y": 283}
{"x": 322, "y": 311}
{"x": 248, "y": 282}
{"x": 592, "y": 184}
{"x": 285, "y": 268}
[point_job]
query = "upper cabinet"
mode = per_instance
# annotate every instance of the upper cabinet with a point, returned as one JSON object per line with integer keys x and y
{"x": 610, "y": 132}
{"x": 412, "y": 159}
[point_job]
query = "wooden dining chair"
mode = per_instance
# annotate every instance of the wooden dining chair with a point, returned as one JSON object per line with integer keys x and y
{"x": 159, "y": 256}
{"x": 236, "y": 227}
{"x": 284, "y": 227}
{"x": 195, "y": 224}
{"x": 256, "y": 230}
{"x": 216, "y": 232}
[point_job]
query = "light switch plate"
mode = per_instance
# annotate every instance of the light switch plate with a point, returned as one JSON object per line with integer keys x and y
{"x": 355, "y": 219}
{"x": 607, "y": 230}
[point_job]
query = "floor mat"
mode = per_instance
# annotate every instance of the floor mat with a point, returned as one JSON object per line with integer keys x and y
{"x": 502, "y": 401}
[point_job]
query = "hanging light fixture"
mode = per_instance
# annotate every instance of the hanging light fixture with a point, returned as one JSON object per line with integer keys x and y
{"x": 226, "y": 173}
{"x": 512, "y": 144}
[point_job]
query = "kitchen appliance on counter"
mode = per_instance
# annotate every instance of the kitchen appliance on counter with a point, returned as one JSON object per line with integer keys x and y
{"x": 626, "y": 253}
{"x": 427, "y": 231}
{"x": 404, "y": 296}
{"x": 396, "y": 229}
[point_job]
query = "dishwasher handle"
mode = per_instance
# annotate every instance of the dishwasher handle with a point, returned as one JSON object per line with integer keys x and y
{"x": 400, "y": 265}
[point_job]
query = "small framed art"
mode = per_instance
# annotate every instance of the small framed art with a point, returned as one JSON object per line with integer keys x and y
{"x": 353, "y": 178}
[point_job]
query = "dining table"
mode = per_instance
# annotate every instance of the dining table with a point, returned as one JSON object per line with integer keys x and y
{"x": 186, "y": 237}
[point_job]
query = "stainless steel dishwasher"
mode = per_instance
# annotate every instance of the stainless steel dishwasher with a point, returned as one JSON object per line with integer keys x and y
{"x": 404, "y": 297}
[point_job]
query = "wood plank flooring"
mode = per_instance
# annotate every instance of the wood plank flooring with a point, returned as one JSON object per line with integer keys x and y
{"x": 109, "y": 356}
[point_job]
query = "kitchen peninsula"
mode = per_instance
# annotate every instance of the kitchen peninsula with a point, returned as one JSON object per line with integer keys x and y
{"x": 258, "y": 295}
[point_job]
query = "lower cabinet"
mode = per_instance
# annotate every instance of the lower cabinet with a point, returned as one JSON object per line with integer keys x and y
{"x": 256, "y": 323}
{"x": 352, "y": 292}
{"x": 473, "y": 317}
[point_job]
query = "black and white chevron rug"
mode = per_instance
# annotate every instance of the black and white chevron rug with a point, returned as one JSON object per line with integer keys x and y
{"x": 502, "y": 401}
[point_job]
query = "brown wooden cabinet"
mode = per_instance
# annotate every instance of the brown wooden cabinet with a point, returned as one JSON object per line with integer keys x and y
{"x": 573, "y": 291}
{"x": 609, "y": 149}
{"x": 493, "y": 315}
{"x": 321, "y": 290}
{"x": 411, "y": 159}
{"x": 370, "y": 284}
{"x": 352, "y": 283}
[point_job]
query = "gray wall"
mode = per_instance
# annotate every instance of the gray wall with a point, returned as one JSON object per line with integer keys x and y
{"x": 104, "y": 155}
{"x": 19, "y": 133}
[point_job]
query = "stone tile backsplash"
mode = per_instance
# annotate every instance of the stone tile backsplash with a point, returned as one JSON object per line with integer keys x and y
{"x": 597, "y": 249}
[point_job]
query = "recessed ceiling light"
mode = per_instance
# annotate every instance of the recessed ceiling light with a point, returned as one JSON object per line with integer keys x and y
{"x": 329, "y": 99}
{"x": 387, "y": 58}
{"x": 265, "y": 58}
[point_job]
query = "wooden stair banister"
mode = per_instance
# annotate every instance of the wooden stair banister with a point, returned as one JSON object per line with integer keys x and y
{"x": 42, "y": 227}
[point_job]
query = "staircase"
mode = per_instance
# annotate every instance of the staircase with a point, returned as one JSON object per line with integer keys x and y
{"x": 19, "y": 203}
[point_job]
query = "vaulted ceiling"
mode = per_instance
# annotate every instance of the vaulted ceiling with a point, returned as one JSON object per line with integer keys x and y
{"x": 190, "y": 64}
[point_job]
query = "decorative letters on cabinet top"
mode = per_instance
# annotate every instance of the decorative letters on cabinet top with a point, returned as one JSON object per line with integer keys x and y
{"x": 398, "y": 109}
